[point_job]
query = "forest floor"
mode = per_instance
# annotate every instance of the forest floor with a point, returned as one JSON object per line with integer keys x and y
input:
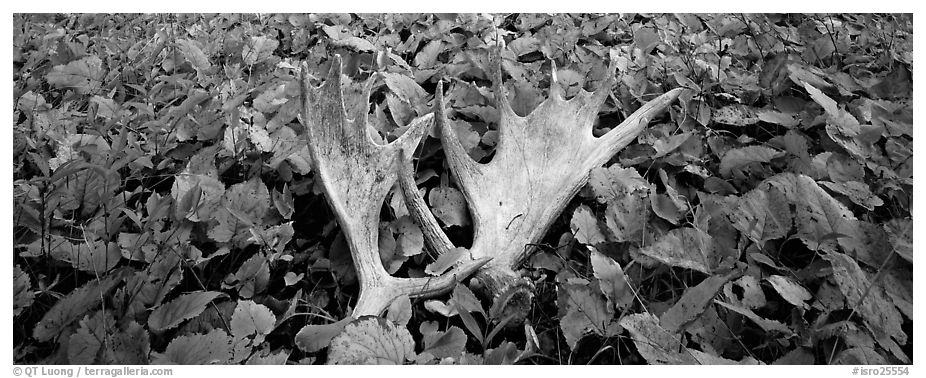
{"x": 166, "y": 210}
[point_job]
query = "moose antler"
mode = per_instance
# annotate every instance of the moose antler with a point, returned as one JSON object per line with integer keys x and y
{"x": 356, "y": 175}
{"x": 540, "y": 162}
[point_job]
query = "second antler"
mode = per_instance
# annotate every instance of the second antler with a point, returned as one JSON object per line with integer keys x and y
{"x": 541, "y": 161}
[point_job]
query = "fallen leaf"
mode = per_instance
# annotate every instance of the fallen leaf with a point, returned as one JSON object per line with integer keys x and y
{"x": 901, "y": 237}
{"x": 400, "y": 310}
{"x": 252, "y": 319}
{"x": 790, "y": 290}
{"x": 315, "y": 337}
{"x": 752, "y": 295}
{"x": 184, "y": 307}
{"x": 371, "y": 340}
{"x": 739, "y": 157}
{"x": 611, "y": 279}
{"x": 692, "y": 303}
{"x": 95, "y": 257}
{"x": 194, "y": 54}
{"x": 767, "y": 325}
{"x": 258, "y": 49}
{"x": 83, "y": 75}
{"x": 736, "y": 115}
{"x": 819, "y": 218}
{"x": 71, "y": 308}
{"x": 583, "y": 310}
{"x": 685, "y": 247}
{"x": 22, "y": 291}
{"x": 449, "y": 343}
{"x": 214, "y": 347}
{"x": 878, "y": 313}
{"x": 655, "y": 344}
{"x": 445, "y": 261}
{"x": 615, "y": 182}
{"x": 278, "y": 358}
{"x": 584, "y": 225}
{"x": 857, "y": 192}
{"x": 761, "y": 215}
{"x": 449, "y": 205}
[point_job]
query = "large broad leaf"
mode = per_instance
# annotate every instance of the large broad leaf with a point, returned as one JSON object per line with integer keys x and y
{"x": 860, "y": 356}
{"x": 78, "y": 302}
{"x": 148, "y": 288}
{"x": 901, "y": 237}
{"x": 867, "y": 301}
{"x": 400, "y": 310}
{"x": 669, "y": 205}
{"x": 22, "y": 291}
{"x": 790, "y": 290}
{"x": 660, "y": 347}
{"x": 82, "y": 75}
{"x": 258, "y": 49}
{"x": 251, "y": 278}
{"x": 85, "y": 343}
{"x": 197, "y": 191}
{"x": 214, "y": 347}
{"x": 445, "y": 261}
{"x": 736, "y": 115}
{"x": 449, "y": 206}
{"x": 193, "y": 54}
{"x": 742, "y": 156}
{"x": 687, "y": 248}
{"x": 583, "y": 310}
{"x": 615, "y": 182}
{"x": 184, "y": 307}
{"x": 761, "y": 215}
{"x": 767, "y": 325}
{"x": 819, "y": 218}
{"x": 96, "y": 257}
{"x": 276, "y": 358}
{"x": 626, "y": 194}
{"x": 858, "y": 193}
{"x": 315, "y": 337}
{"x": 748, "y": 292}
{"x": 372, "y": 340}
{"x": 410, "y": 241}
{"x": 252, "y": 319}
{"x": 690, "y": 306}
{"x": 844, "y": 128}
{"x": 611, "y": 280}
{"x": 247, "y": 201}
{"x": 584, "y": 225}
{"x": 129, "y": 346}
{"x": 823, "y": 223}
{"x": 655, "y": 344}
{"x": 867, "y": 242}
{"x": 404, "y": 87}
{"x": 442, "y": 344}
{"x": 840, "y": 117}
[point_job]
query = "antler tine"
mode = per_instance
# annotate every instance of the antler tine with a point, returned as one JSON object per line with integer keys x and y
{"x": 601, "y": 94}
{"x": 556, "y": 91}
{"x": 356, "y": 174}
{"x": 465, "y": 169}
{"x": 621, "y": 135}
{"x": 433, "y": 236}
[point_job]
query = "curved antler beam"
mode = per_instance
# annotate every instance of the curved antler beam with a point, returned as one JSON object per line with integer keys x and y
{"x": 356, "y": 174}
{"x": 541, "y": 162}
